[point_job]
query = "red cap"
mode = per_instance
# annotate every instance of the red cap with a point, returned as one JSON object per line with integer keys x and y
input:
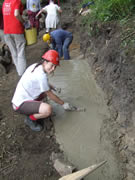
{"x": 52, "y": 56}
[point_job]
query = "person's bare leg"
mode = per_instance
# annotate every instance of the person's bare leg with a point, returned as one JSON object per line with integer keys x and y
{"x": 45, "y": 110}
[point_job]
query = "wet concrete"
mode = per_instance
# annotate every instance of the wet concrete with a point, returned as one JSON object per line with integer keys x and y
{"x": 79, "y": 132}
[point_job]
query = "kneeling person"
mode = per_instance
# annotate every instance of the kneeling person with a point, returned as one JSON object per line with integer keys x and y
{"x": 33, "y": 87}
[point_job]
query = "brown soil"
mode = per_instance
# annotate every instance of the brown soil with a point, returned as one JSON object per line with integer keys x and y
{"x": 110, "y": 51}
{"x": 24, "y": 154}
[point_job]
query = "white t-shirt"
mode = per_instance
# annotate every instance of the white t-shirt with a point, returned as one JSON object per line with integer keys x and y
{"x": 31, "y": 85}
{"x": 52, "y": 18}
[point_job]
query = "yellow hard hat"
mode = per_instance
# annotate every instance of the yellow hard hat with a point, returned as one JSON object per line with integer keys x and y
{"x": 46, "y": 37}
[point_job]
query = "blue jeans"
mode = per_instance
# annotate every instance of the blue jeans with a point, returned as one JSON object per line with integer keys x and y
{"x": 66, "y": 44}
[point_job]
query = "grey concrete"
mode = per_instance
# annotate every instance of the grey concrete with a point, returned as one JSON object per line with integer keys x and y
{"x": 79, "y": 132}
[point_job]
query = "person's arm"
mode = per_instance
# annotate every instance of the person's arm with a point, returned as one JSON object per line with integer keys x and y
{"x": 58, "y": 41}
{"x": 53, "y": 44}
{"x": 60, "y": 11}
{"x": 59, "y": 48}
{"x": 39, "y": 12}
{"x": 58, "y": 90}
{"x": 18, "y": 15}
{"x": 65, "y": 105}
{"x": 52, "y": 87}
{"x": 53, "y": 97}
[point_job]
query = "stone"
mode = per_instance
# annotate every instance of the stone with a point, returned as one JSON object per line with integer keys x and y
{"x": 61, "y": 164}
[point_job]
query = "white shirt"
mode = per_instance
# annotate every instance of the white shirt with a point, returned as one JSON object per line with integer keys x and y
{"x": 31, "y": 85}
{"x": 52, "y": 18}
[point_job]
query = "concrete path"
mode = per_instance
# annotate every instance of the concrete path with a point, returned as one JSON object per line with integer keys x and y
{"x": 79, "y": 132}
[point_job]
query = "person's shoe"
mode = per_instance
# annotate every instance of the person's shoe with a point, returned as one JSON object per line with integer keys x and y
{"x": 33, "y": 124}
{"x": 62, "y": 58}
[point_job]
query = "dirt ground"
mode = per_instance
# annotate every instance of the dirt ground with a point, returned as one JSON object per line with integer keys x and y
{"x": 25, "y": 154}
{"x": 110, "y": 51}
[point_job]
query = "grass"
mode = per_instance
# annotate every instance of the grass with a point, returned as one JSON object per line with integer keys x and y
{"x": 104, "y": 11}
{"x": 107, "y": 10}
{"x": 1, "y": 2}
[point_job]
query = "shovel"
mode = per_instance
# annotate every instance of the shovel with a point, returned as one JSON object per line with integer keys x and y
{"x": 82, "y": 173}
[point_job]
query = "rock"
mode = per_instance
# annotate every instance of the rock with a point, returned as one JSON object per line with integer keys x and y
{"x": 1, "y": 116}
{"x": 2, "y": 70}
{"x": 62, "y": 165}
{"x": 62, "y": 168}
{"x": 130, "y": 176}
{"x": 5, "y": 59}
{"x": 9, "y": 136}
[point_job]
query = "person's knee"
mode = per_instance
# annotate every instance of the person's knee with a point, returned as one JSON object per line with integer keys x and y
{"x": 45, "y": 109}
{"x": 48, "y": 110}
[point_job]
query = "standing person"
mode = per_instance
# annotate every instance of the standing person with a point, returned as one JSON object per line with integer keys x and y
{"x": 52, "y": 20}
{"x": 33, "y": 87}
{"x": 60, "y": 40}
{"x": 14, "y": 32}
{"x": 33, "y": 7}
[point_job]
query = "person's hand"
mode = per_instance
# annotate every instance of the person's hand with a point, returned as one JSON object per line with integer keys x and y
{"x": 68, "y": 107}
{"x": 26, "y": 24}
{"x": 57, "y": 90}
{"x": 50, "y": 45}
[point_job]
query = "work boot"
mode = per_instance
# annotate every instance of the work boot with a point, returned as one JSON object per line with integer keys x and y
{"x": 33, "y": 124}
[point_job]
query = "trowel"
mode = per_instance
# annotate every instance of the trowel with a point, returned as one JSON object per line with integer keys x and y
{"x": 82, "y": 173}
{"x": 78, "y": 109}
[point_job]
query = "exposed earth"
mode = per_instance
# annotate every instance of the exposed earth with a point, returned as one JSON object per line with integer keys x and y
{"x": 25, "y": 154}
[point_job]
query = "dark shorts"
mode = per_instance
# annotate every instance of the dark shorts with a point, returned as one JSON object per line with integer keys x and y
{"x": 29, "y": 107}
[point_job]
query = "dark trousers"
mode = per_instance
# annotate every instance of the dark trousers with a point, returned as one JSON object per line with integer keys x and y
{"x": 66, "y": 45}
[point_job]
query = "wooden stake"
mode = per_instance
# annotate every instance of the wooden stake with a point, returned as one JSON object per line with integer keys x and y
{"x": 82, "y": 173}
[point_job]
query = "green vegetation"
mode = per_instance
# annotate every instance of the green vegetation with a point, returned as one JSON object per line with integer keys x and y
{"x": 106, "y": 10}
{"x": 23, "y": 1}
{"x": 1, "y": 2}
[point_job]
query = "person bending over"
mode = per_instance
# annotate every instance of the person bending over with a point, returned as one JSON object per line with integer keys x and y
{"x": 60, "y": 40}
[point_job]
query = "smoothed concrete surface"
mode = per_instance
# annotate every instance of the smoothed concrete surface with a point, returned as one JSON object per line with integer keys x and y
{"x": 79, "y": 132}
